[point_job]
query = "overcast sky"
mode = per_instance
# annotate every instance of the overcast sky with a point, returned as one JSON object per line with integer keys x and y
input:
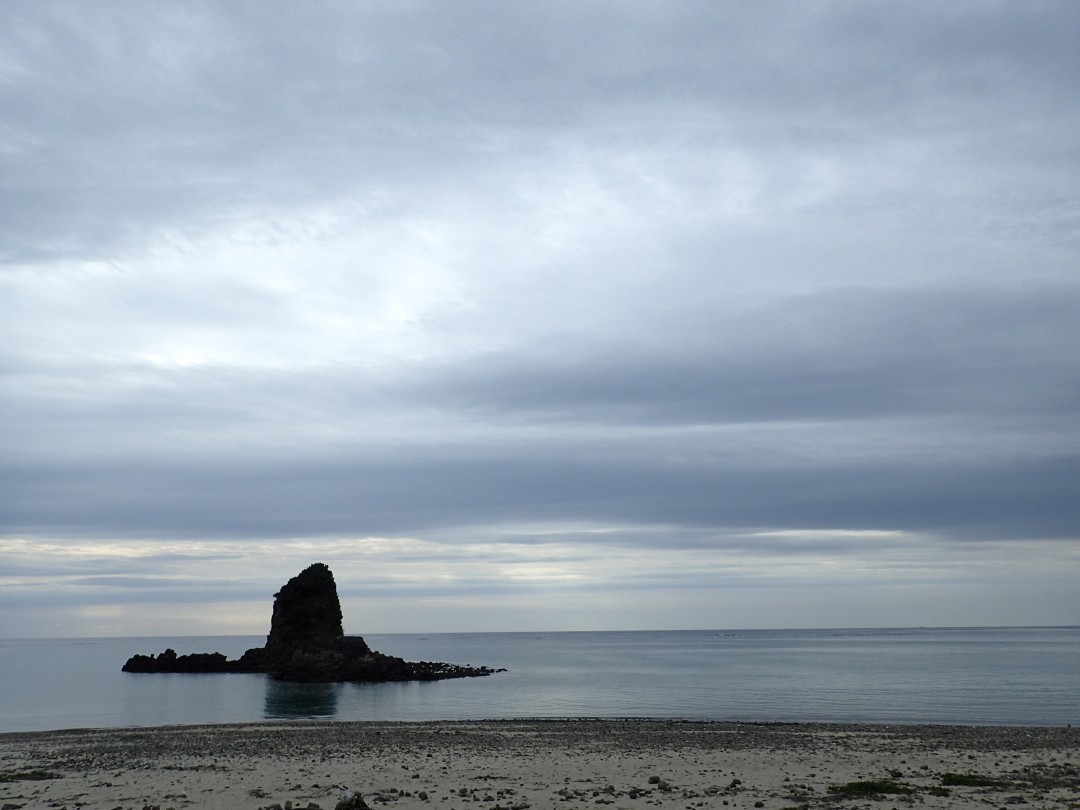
{"x": 539, "y": 316}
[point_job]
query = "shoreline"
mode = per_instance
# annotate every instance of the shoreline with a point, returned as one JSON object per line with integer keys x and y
{"x": 897, "y": 726}
{"x": 520, "y": 764}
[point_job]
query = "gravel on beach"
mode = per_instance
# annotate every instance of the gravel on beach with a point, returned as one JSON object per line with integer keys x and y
{"x": 515, "y": 765}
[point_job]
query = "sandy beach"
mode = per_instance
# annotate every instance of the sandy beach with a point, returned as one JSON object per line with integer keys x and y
{"x": 514, "y": 765}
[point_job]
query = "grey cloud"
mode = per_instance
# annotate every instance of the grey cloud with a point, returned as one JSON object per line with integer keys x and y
{"x": 130, "y": 591}
{"x": 149, "y": 118}
{"x": 156, "y": 583}
{"x": 841, "y": 355}
{"x": 990, "y": 361}
{"x": 862, "y": 354}
{"x": 691, "y": 272}
{"x": 1033, "y": 499}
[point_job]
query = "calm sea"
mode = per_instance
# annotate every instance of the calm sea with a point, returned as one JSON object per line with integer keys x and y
{"x": 1010, "y": 676}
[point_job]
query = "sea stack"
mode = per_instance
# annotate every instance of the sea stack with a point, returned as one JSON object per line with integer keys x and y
{"x": 307, "y": 614}
{"x": 307, "y": 643}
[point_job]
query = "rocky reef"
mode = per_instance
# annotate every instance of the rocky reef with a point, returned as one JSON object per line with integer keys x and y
{"x": 307, "y": 644}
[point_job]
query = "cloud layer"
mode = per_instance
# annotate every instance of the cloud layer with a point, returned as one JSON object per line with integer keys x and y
{"x": 539, "y": 316}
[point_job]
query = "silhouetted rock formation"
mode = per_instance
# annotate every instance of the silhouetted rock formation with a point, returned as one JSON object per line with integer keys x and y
{"x": 307, "y": 643}
{"x": 169, "y": 661}
{"x": 307, "y": 614}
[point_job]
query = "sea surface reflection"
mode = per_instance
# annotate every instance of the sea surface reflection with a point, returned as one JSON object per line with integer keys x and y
{"x": 298, "y": 700}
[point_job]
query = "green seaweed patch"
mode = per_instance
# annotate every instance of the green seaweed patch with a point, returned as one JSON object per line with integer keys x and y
{"x": 878, "y": 788}
{"x": 970, "y": 780}
{"x": 938, "y": 790}
{"x": 28, "y": 776}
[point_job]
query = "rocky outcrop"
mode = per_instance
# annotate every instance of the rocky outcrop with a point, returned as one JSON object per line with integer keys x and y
{"x": 307, "y": 615}
{"x": 306, "y": 643}
{"x": 169, "y": 661}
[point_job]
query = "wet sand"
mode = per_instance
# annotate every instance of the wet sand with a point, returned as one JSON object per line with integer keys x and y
{"x": 515, "y": 765}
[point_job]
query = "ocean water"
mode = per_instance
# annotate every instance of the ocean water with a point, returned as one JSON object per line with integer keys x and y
{"x": 1006, "y": 676}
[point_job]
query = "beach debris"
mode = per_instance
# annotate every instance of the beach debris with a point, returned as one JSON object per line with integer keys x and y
{"x": 30, "y": 776}
{"x": 351, "y": 800}
{"x": 870, "y": 788}
{"x": 971, "y": 780}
